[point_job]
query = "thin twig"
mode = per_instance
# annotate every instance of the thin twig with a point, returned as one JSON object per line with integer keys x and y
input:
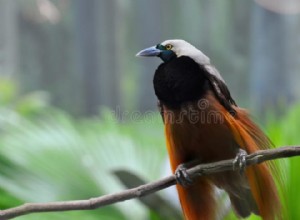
{"x": 143, "y": 190}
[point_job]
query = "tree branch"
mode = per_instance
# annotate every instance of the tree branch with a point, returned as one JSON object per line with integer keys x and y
{"x": 143, "y": 190}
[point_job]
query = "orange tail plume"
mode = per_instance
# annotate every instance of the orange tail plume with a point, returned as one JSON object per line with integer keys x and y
{"x": 255, "y": 192}
{"x": 260, "y": 177}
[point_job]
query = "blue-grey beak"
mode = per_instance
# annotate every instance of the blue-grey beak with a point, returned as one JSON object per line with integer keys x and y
{"x": 149, "y": 52}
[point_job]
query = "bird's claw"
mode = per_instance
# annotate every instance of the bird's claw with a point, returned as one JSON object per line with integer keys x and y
{"x": 240, "y": 161}
{"x": 182, "y": 176}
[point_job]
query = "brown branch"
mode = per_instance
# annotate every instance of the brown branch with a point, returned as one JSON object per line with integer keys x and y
{"x": 143, "y": 190}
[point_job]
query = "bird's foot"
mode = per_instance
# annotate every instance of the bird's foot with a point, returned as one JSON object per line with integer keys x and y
{"x": 240, "y": 161}
{"x": 182, "y": 176}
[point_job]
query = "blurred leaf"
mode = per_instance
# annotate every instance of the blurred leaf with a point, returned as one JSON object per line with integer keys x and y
{"x": 161, "y": 208}
{"x": 32, "y": 104}
{"x": 8, "y": 91}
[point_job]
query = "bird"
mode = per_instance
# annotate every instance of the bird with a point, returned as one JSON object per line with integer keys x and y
{"x": 203, "y": 124}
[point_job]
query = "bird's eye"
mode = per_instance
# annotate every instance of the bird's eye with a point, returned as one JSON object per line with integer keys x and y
{"x": 169, "y": 46}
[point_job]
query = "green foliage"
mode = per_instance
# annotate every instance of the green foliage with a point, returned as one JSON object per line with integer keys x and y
{"x": 48, "y": 155}
{"x": 59, "y": 158}
{"x": 283, "y": 132}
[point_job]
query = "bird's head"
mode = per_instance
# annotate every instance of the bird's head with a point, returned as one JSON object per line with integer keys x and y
{"x": 171, "y": 49}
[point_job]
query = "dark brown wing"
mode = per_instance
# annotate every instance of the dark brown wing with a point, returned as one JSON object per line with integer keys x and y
{"x": 222, "y": 93}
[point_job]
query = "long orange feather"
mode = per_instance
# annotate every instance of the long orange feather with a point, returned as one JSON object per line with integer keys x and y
{"x": 209, "y": 133}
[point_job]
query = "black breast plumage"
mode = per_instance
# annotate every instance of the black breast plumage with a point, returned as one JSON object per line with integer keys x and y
{"x": 179, "y": 80}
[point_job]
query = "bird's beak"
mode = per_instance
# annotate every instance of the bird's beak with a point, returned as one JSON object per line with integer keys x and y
{"x": 149, "y": 52}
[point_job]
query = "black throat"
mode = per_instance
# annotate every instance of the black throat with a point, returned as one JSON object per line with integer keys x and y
{"x": 179, "y": 81}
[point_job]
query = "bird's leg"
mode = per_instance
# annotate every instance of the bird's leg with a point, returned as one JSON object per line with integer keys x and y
{"x": 181, "y": 174}
{"x": 240, "y": 161}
